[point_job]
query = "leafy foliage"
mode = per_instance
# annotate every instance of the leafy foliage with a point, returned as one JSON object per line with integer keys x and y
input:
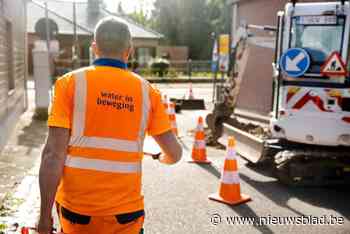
{"x": 142, "y": 18}
{"x": 188, "y": 23}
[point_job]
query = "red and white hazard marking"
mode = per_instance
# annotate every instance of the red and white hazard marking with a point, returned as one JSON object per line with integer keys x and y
{"x": 306, "y": 99}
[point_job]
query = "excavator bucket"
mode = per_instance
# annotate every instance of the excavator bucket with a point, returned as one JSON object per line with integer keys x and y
{"x": 247, "y": 145}
{"x": 193, "y": 104}
{"x": 189, "y": 104}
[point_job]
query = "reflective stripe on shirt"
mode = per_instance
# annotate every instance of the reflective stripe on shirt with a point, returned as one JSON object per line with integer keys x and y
{"x": 102, "y": 165}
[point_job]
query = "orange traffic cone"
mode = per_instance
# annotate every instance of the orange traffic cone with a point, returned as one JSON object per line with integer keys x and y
{"x": 165, "y": 103}
{"x": 230, "y": 189}
{"x": 199, "y": 153}
{"x": 191, "y": 96}
{"x": 172, "y": 117}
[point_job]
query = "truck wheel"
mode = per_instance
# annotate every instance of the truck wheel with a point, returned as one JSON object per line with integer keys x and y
{"x": 283, "y": 175}
{"x": 209, "y": 119}
{"x": 283, "y": 170}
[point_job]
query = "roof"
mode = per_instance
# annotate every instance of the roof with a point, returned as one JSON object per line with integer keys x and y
{"x": 62, "y": 13}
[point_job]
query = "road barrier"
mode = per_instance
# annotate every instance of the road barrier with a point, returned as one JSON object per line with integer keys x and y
{"x": 230, "y": 189}
{"x": 191, "y": 103}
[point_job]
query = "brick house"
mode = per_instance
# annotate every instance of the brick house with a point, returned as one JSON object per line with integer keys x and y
{"x": 12, "y": 65}
{"x": 175, "y": 53}
{"x": 87, "y": 15}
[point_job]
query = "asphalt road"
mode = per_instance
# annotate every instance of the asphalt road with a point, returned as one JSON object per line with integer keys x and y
{"x": 176, "y": 197}
{"x": 200, "y": 91}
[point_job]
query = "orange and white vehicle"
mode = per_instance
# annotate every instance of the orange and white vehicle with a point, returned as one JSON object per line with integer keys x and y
{"x": 314, "y": 107}
{"x": 309, "y": 126}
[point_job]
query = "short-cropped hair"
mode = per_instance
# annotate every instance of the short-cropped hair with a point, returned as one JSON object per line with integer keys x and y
{"x": 112, "y": 36}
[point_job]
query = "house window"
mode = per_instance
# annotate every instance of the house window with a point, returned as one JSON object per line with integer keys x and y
{"x": 9, "y": 57}
{"x": 144, "y": 55}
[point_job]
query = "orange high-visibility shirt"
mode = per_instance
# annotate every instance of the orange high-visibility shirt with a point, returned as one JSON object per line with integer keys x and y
{"x": 109, "y": 110}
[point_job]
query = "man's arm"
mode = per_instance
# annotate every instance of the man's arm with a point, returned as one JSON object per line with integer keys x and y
{"x": 170, "y": 146}
{"x": 51, "y": 169}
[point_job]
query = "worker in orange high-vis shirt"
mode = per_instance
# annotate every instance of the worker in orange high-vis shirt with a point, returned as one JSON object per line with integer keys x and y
{"x": 91, "y": 163}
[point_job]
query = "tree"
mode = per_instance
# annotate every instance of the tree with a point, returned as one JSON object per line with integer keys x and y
{"x": 190, "y": 23}
{"x": 219, "y": 13}
{"x": 187, "y": 23}
{"x": 141, "y": 17}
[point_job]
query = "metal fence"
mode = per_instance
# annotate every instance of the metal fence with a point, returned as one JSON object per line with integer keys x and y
{"x": 190, "y": 66}
{"x": 62, "y": 66}
{"x": 197, "y": 68}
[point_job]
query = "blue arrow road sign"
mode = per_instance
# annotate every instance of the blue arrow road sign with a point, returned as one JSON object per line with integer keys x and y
{"x": 295, "y": 62}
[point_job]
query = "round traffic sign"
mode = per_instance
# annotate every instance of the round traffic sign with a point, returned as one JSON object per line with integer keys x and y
{"x": 295, "y": 62}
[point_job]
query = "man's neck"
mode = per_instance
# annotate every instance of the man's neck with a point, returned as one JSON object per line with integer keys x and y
{"x": 110, "y": 57}
{"x": 112, "y": 62}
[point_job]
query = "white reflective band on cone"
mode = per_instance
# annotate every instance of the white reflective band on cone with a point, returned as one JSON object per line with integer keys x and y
{"x": 199, "y": 144}
{"x": 171, "y": 111}
{"x": 79, "y": 140}
{"x": 231, "y": 154}
{"x": 102, "y": 165}
{"x": 200, "y": 127}
{"x": 230, "y": 177}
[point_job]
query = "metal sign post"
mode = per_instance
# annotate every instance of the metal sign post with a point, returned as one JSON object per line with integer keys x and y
{"x": 215, "y": 62}
{"x": 47, "y": 28}
{"x": 75, "y": 49}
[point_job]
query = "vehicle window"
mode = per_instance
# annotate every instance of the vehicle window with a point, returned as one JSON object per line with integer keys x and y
{"x": 318, "y": 40}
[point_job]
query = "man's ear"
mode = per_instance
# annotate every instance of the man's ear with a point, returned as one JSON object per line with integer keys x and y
{"x": 131, "y": 52}
{"x": 128, "y": 54}
{"x": 94, "y": 48}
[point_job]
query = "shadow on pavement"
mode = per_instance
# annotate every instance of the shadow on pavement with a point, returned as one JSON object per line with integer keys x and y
{"x": 263, "y": 168}
{"x": 242, "y": 210}
{"x": 329, "y": 198}
{"x": 33, "y": 135}
{"x": 212, "y": 169}
{"x": 182, "y": 142}
{"x": 21, "y": 152}
{"x": 273, "y": 190}
{"x": 245, "y": 211}
{"x": 334, "y": 198}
